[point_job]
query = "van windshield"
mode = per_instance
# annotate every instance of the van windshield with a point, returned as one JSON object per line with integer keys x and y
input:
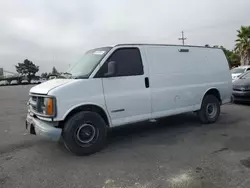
{"x": 86, "y": 65}
{"x": 237, "y": 70}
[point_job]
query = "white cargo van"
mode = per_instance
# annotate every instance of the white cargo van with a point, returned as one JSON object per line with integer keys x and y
{"x": 124, "y": 84}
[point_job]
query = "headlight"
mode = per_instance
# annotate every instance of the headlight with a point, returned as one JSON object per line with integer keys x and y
{"x": 43, "y": 105}
{"x": 48, "y": 106}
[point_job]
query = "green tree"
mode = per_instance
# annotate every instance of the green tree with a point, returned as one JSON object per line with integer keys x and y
{"x": 232, "y": 57}
{"x": 27, "y": 68}
{"x": 44, "y": 75}
{"x": 54, "y": 71}
{"x": 242, "y": 46}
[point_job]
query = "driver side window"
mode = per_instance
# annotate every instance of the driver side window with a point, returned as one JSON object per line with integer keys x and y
{"x": 128, "y": 63}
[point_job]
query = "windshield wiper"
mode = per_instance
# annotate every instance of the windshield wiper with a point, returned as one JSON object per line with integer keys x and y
{"x": 81, "y": 77}
{"x": 70, "y": 76}
{"x": 67, "y": 73}
{"x": 63, "y": 75}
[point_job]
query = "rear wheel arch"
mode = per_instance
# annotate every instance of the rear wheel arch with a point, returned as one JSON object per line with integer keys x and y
{"x": 213, "y": 91}
{"x": 89, "y": 107}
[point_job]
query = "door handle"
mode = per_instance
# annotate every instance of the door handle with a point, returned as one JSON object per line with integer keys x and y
{"x": 146, "y": 82}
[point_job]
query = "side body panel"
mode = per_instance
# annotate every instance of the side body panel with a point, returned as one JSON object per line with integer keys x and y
{"x": 77, "y": 93}
{"x": 179, "y": 80}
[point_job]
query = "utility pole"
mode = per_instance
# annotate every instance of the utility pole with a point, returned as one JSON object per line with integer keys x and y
{"x": 182, "y": 38}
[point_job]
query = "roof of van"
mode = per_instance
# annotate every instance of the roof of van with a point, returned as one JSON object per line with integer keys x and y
{"x": 139, "y": 44}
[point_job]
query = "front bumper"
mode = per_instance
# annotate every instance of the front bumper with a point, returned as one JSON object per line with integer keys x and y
{"x": 43, "y": 128}
{"x": 241, "y": 96}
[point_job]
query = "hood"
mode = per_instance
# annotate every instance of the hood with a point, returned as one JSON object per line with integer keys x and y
{"x": 45, "y": 87}
{"x": 242, "y": 82}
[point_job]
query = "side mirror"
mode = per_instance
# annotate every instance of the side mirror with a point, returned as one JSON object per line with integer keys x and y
{"x": 111, "y": 69}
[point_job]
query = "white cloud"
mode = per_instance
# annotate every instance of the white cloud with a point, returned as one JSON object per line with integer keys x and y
{"x": 58, "y": 32}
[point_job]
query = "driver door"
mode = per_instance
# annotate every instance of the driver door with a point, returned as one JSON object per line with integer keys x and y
{"x": 126, "y": 92}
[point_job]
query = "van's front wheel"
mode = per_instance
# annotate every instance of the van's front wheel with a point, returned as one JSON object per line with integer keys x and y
{"x": 85, "y": 133}
{"x": 210, "y": 109}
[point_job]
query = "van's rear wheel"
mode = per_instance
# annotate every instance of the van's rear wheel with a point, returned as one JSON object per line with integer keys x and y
{"x": 85, "y": 133}
{"x": 210, "y": 109}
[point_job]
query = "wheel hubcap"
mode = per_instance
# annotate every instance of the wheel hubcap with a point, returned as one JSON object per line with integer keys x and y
{"x": 211, "y": 110}
{"x": 86, "y": 133}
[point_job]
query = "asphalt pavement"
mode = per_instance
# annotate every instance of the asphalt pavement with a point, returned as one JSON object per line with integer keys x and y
{"x": 174, "y": 152}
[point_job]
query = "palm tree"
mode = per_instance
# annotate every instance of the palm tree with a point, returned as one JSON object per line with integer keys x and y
{"x": 242, "y": 46}
{"x": 232, "y": 57}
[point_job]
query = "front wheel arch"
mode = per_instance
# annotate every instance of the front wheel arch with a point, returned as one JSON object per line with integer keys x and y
{"x": 88, "y": 107}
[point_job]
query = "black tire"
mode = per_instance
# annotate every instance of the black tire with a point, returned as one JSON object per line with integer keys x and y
{"x": 74, "y": 135}
{"x": 204, "y": 115}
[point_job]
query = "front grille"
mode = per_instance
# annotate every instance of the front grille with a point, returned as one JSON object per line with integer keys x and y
{"x": 33, "y": 103}
{"x": 36, "y": 103}
{"x": 238, "y": 87}
{"x": 34, "y": 98}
